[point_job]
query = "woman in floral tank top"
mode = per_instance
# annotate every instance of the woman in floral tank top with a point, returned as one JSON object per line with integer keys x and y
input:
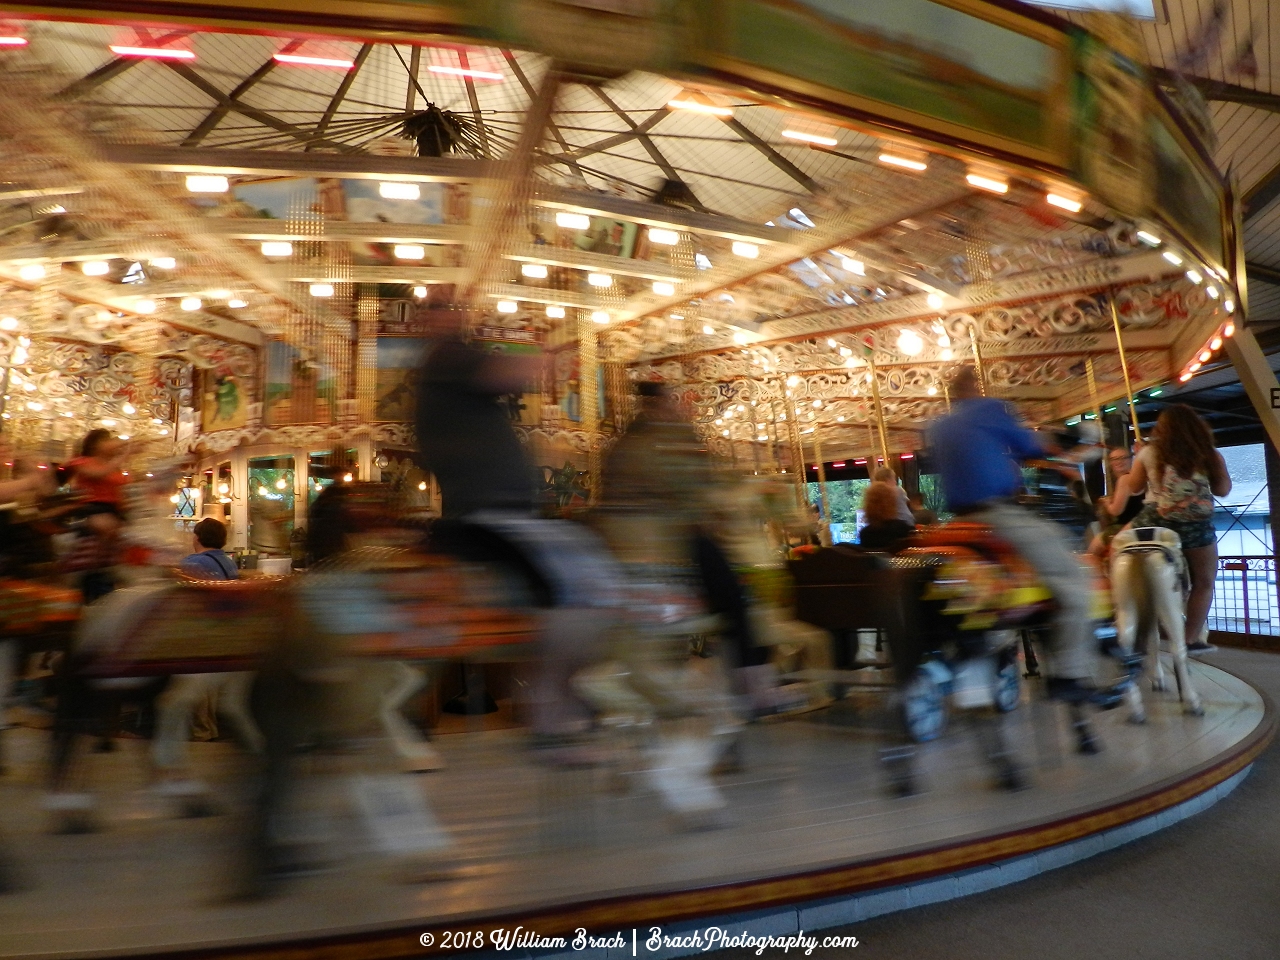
{"x": 1182, "y": 473}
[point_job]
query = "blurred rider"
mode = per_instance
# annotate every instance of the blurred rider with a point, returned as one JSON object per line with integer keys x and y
{"x": 977, "y": 449}
{"x": 487, "y": 483}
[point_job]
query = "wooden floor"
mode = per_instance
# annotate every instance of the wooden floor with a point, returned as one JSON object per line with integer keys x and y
{"x": 528, "y": 841}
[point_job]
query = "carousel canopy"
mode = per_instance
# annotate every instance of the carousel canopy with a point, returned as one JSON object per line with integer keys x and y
{"x": 800, "y": 215}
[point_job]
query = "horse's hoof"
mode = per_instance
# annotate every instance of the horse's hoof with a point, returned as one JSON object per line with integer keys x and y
{"x": 1138, "y": 719}
{"x": 1194, "y": 711}
{"x": 1159, "y": 686}
{"x": 426, "y": 761}
{"x": 1087, "y": 742}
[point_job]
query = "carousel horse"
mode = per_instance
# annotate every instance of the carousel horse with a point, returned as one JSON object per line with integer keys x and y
{"x": 1149, "y": 585}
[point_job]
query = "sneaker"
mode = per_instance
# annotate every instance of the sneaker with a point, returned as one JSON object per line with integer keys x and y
{"x": 1200, "y": 648}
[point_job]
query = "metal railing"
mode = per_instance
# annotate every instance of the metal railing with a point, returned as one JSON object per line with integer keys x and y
{"x": 1244, "y": 596}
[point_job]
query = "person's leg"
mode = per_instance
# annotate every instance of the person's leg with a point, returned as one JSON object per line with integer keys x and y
{"x": 174, "y": 712}
{"x": 1202, "y": 565}
{"x": 1043, "y": 544}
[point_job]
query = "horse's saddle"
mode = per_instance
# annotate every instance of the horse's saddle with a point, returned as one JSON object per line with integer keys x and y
{"x": 1159, "y": 540}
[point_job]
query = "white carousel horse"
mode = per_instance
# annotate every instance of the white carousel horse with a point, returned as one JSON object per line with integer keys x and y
{"x": 1148, "y": 586}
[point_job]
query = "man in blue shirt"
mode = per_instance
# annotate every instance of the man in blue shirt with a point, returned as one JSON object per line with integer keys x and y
{"x": 977, "y": 449}
{"x": 209, "y": 562}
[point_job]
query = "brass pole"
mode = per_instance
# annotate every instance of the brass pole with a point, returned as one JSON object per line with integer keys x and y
{"x": 946, "y": 394}
{"x": 977, "y": 359}
{"x": 1124, "y": 367}
{"x": 1097, "y": 412}
{"x": 875, "y": 393}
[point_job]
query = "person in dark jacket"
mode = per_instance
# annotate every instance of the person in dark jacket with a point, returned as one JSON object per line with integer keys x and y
{"x": 885, "y": 530}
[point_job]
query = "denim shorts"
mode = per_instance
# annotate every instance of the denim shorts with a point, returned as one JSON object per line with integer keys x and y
{"x": 1192, "y": 533}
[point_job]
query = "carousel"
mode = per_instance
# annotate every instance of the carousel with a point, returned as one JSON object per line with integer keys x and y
{"x": 226, "y": 234}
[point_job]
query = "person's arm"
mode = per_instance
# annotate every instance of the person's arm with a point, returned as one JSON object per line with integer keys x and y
{"x": 1119, "y": 499}
{"x": 1023, "y": 444}
{"x": 1219, "y": 478}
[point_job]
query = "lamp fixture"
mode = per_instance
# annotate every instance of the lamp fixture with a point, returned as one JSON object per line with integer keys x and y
{"x": 190, "y": 303}
{"x": 399, "y": 190}
{"x": 600, "y": 280}
{"x": 667, "y": 238}
{"x": 990, "y": 184}
{"x": 207, "y": 183}
{"x": 695, "y": 101}
{"x": 1172, "y": 258}
{"x": 573, "y": 221}
{"x": 467, "y": 73}
{"x": 419, "y": 292}
{"x": 746, "y": 250}
{"x": 164, "y": 263}
{"x": 31, "y": 271}
{"x": 158, "y": 53}
{"x": 817, "y": 139}
{"x": 1069, "y": 204}
{"x": 600, "y": 316}
{"x": 909, "y": 343}
{"x": 508, "y": 306}
{"x": 536, "y": 271}
{"x": 919, "y": 165}
{"x": 664, "y": 289}
{"x": 409, "y": 251}
{"x": 321, "y": 289}
{"x": 301, "y": 60}
{"x": 235, "y": 303}
{"x": 277, "y": 248}
{"x": 555, "y": 313}
{"x": 1150, "y": 239}
{"x": 95, "y": 268}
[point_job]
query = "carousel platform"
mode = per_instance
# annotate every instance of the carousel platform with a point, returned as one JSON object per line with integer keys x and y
{"x": 812, "y": 840}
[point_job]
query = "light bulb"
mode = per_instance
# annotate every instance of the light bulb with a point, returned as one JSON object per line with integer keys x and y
{"x": 399, "y": 191}
{"x": 422, "y": 485}
{"x": 347, "y": 478}
{"x": 281, "y": 484}
{"x": 573, "y": 221}
{"x": 508, "y": 306}
{"x": 190, "y": 303}
{"x": 206, "y": 183}
{"x": 667, "y": 238}
{"x": 409, "y": 251}
{"x": 600, "y": 316}
{"x": 145, "y": 306}
{"x": 129, "y": 409}
{"x": 224, "y": 489}
{"x": 9, "y": 323}
{"x": 164, "y": 263}
{"x": 95, "y": 268}
{"x": 419, "y": 292}
{"x": 934, "y": 300}
{"x": 747, "y": 250}
{"x": 536, "y": 271}
{"x": 321, "y": 289}
{"x": 31, "y": 271}
{"x": 555, "y": 313}
{"x": 175, "y": 498}
{"x": 235, "y": 303}
{"x": 600, "y": 280}
{"x": 262, "y": 491}
{"x": 277, "y": 248}
{"x": 909, "y": 342}
{"x": 663, "y": 289}
{"x": 708, "y": 329}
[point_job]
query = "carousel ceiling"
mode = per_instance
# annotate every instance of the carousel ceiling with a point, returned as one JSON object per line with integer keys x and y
{"x": 229, "y": 190}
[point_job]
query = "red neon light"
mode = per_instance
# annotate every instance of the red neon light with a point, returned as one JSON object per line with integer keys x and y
{"x": 160, "y": 53}
{"x": 303, "y": 61}
{"x": 466, "y": 72}
{"x": 839, "y": 463}
{"x": 13, "y": 41}
{"x": 907, "y": 456}
{"x": 859, "y": 462}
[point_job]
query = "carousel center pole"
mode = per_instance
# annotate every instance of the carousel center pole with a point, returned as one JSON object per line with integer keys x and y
{"x": 822, "y": 482}
{"x": 977, "y": 359}
{"x": 1124, "y": 366}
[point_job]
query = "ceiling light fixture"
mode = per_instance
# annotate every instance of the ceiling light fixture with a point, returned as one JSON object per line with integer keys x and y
{"x": 277, "y": 248}
{"x": 31, "y": 271}
{"x": 1066, "y": 203}
{"x": 851, "y": 265}
{"x": 1172, "y": 258}
{"x": 935, "y": 301}
{"x": 164, "y": 263}
{"x": 145, "y": 306}
{"x": 664, "y": 289}
{"x": 816, "y": 139}
{"x": 1150, "y": 239}
{"x": 1229, "y": 305}
{"x": 299, "y": 60}
{"x": 235, "y": 303}
{"x": 599, "y": 279}
{"x": 9, "y": 323}
{"x": 1215, "y": 343}
{"x": 508, "y": 306}
{"x": 537, "y": 271}
{"x": 909, "y": 343}
{"x": 708, "y": 329}
{"x": 398, "y": 190}
{"x": 159, "y": 53}
{"x": 95, "y": 268}
{"x": 696, "y": 102}
{"x": 190, "y": 303}
{"x": 906, "y": 163}
{"x": 419, "y": 292}
{"x": 467, "y": 72}
{"x": 600, "y": 316}
{"x": 409, "y": 251}
{"x": 1194, "y": 276}
{"x": 555, "y": 313}
{"x": 746, "y": 250}
{"x": 207, "y": 183}
{"x": 13, "y": 41}
{"x": 573, "y": 221}
{"x": 667, "y": 238}
{"x": 990, "y": 184}
{"x": 321, "y": 289}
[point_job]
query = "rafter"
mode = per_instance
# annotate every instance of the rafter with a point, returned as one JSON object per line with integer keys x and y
{"x": 577, "y": 153}
{"x": 1221, "y": 91}
{"x": 253, "y": 113}
{"x": 645, "y": 140}
{"x": 1260, "y": 195}
{"x": 111, "y": 69}
{"x": 552, "y": 127}
{"x": 770, "y": 154}
{"x": 341, "y": 93}
{"x": 1256, "y": 271}
{"x": 216, "y": 115}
